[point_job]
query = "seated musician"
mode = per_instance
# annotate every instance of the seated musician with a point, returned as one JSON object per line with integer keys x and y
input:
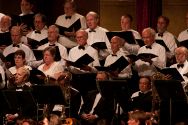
{"x": 21, "y": 83}
{"x": 96, "y": 110}
{"x": 50, "y": 67}
{"x": 142, "y": 99}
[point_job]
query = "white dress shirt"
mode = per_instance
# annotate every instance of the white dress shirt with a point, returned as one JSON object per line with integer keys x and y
{"x": 126, "y": 72}
{"x": 29, "y": 56}
{"x": 170, "y": 41}
{"x": 38, "y": 36}
{"x": 75, "y": 53}
{"x": 183, "y": 35}
{"x": 144, "y": 68}
{"x": 62, "y": 21}
{"x": 99, "y": 36}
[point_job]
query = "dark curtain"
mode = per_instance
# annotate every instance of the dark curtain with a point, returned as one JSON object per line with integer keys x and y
{"x": 147, "y": 12}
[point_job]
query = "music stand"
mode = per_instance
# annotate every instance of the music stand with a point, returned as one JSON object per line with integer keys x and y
{"x": 173, "y": 104}
{"x": 21, "y": 102}
{"x": 115, "y": 91}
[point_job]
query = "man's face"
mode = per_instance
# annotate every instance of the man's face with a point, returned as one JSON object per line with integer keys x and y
{"x": 125, "y": 23}
{"x": 115, "y": 45}
{"x": 144, "y": 84}
{"x": 5, "y": 24}
{"x": 180, "y": 56}
{"x": 81, "y": 38}
{"x": 68, "y": 9}
{"x": 161, "y": 25}
{"x": 26, "y": 7}
{"x": 39, "y": 25}
{"x": 52, "y": 34}
{"x": 91, "y": 21}
{"x": 16, "y": 36}
{"x": 20, "y": 77}
{"x": 148, "y": 38}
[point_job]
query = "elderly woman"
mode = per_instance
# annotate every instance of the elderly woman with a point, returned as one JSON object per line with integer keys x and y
{"x": 51, "y": 68}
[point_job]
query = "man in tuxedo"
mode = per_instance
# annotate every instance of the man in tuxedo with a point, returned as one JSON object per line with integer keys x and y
{"x": 142, "y": 99}
{"x": 181, "y": 54}
{"x": 96, "y": 110}
{"x": 145, "y": 66}
{"x": 168, "y": 38}
{"x": 67, "y": 38}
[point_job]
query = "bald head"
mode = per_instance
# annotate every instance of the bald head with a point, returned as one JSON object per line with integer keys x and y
{"x": 181, "y": 54}
{"x": 5, "y": 23}
{"x": 148, "y": 35}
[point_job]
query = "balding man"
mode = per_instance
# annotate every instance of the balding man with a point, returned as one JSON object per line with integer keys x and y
{"x": 147, "y": 67}
{"x": 116, "y": 54}
{"x": 181, "y": 54}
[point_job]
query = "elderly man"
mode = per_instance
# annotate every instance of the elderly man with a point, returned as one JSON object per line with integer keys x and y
{"x": 146, "y": 67}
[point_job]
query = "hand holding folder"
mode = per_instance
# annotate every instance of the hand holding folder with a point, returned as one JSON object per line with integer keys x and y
{"x": 82, "y": 61}
{"x": 147, "y": 57}
{"x": 173, "y": 72}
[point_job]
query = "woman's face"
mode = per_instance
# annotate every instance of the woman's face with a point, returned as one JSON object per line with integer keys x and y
{"x": 48, "y": 58}
{"x": 19, "y": 61}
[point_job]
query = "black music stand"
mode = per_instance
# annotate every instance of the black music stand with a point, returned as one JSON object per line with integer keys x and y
{"x": 173, "y": 102}
{"x": 21, "y": 102}
{"x": 115, "y": 91}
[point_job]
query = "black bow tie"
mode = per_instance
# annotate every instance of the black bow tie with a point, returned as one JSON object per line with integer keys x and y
{"x": 114, "y": 55}
{"x": 37, "y": 31}
{"x": 148, "y": 47}
{"x": 180, "y": 65}
{"x": 14, "y": 45}
{"x": 51, "y": 44}
{"x": 92, "y": 31}
{"x": 81, "y": 47}
{"x": 160, "y": 34}
{"x": 67, "y": 17}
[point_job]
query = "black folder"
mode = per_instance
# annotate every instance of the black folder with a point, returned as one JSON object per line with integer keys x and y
{"x": 142, "y": 56}
{"x": 162, "y": 43}
{"x": 37, "y": 77}
{"x": 84, "y": 60}
{"x": 173, "y": 72}
{"x": 26, "y": 19}
{"x": 99, "y": 45}
{"x": 118, "y": 65}
{"x": 74, "y": 27}
{"x": 35, "y": 44}
{"x": 127, "y": 36}
{"x": 10, "y": 58}
{"x": 140, "y": 42}
{"x": 38, "y": 54}
{"x": 5, "y": 39}
{"x": 184, "y": 43}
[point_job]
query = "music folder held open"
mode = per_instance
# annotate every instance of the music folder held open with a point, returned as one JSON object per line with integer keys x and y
{"x": 127, "y": 36}
{"x": 184, "y": 43}
{"x": 173, "y": 72}
{"x": 35, "y": 44}
{"x": 74, "y": 27}
{"x": 99, "y": 45}
{"x": 142, "y": 56}
{"x": 118, "y": 65}
{"x": 83, "y": 60}
{"x": 162, "y": 43}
